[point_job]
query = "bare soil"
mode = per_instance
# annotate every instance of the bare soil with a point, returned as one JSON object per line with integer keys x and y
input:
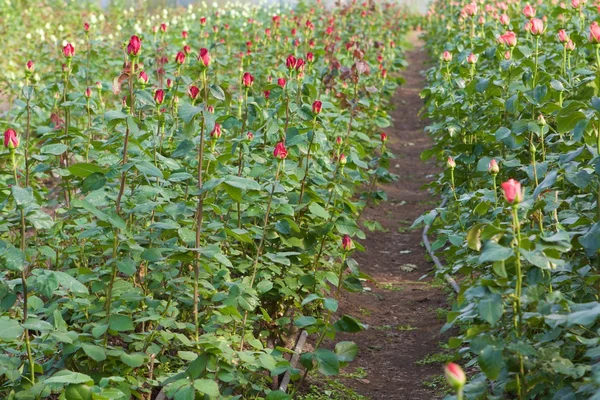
{"x": 400, "y": 309}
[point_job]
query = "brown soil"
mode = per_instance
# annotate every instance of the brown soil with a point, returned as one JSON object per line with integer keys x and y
{"x": 388, "y": 353}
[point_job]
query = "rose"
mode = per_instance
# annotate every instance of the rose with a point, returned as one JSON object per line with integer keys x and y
{"x": 575, "y": 3}
{"x": 134, "y": 47}
{"x": 512, "y": 191}
{"x": 347, "y": 243}
{"x": 504, "y": 20}
{"x": 216, "y": 132}
{"x": 447, "y": 56}
{"x": 210, "y": 109}
{"x": 338, "y": 140}
{"x": 11, "y": 140}
{"x": 68, "y": 50}
{"x": 290, "y": 62}
{"x": 455, "y": 376}
{"x": 159, "y": 96}
{"x": 280, "y": 152}
{"x": 169, "y": 83}
{"x": 187, "y": 49}
{"x": 143, "y": 78}
{"x": 249, "y": 136}
{"x": 180, "y": 58}
{"x": 451, "y": 163}
{"x": 203, "y": 21}
{"x": 537, "y": 27}
{"x": 267, "y": 93}
{"x": 86, "y": 27}
{"x": 87, "y": 93}
{"x": 595, "y": 33}
{"x": 204, "y": 57}
{"x": 29, "y": 67}
{"x": 383, "y": 73}
{"x": 509, "y": 39}
{"x": 562, "y": 36}
{"x": 493, "y": 167}
{"x": 383, "y": 137}
{"x": 316, "y": 106}
{"x": 247, "y": 79}
{"x": 310, "y": 57}
{"x": 570, "y": 45}
{"x": 99, "y": 85}
{"x": 184, "y": 34}
{"x": 163, "y": 27}
{"x": 529, "y": 11}
{"x": 193, "y": 91}
{"x": 281, "y": 82}
{"x": 343, "y": 159}
{"x": 299, "y": 64}
{"x": 472, "y": 58}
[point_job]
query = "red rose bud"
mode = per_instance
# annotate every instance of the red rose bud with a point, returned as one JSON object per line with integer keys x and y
{"x": 384, "y": 137}
{"x": 343, "y": 159}
{"x": 29, "y": 67}
{"x": 280, "y": 151}
{"x": 68, "y": 50}
{"x": 276, "y": 19}
{"x": 99, "y": 85}
{"x": 163, "y": 27}
{"x": 88, "y": 93}
{"x": 267, "y": 93}
{"x": 537, "y": 27}
{"x": 247, "y": 79}
{"x": 86, "y": 27}
{"x": 215, "y": 29}
{"x": 384, "y": 73}
{"x": 203, "y": 21}
{"x": 267, "y": 32}
{"x": 455, "y": 376}
{"x": 290, "y": 62}
{"x": 180, "y": 58}
{"x": 184, "y": 34}
{"x": 169, "y": 84}
{"x": 310, "y": 57}
{"x": 317, "y": 106}
{"x": 300, "y": 64}
{"x": 281, "y": 82}
{"x": 204, "y": 57}
{"x": 210, "y": 109}
{"x": 595, "y": 33}
{"x": 338, "y": 140}
{"x": 134, "y": 47}
{"x": 193, "y": 92}
{"x": 347, "y": 243}
{"x": 311, "y": 43}
{"x": 11, "y": 140}
{"x": 159, "y": 96}
{"x": 249, "y": 136}
{"x": 451, "y": 163}
{"x": 143, "y": 78}
{"x": 493, "y": 168}
{"x": 294, "y": 31}
{"x": 216, "y": 132}
{"x": 187, "y": 49}
{"x": 512, "y": 191}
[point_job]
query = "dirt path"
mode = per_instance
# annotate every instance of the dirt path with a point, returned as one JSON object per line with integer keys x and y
{"x": 400, "y": 310}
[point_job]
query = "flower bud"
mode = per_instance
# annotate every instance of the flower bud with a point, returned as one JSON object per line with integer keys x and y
{"x": 87, "y": 93}
{"x": 455, "y": 376}
{"x": 529, "y": 11}
{"x": 512, "y": 191}
{"x": 594, "y": 33}
{"x": 159, "y": 96}
{"x": 472, "y": 59}
{"x": 184, "y": 34}
{"x": 281, "y": 82}
{"x": 68, "y": 50}
{"x": 143, "y": 78}
{"x": 249, "y": 136}
{"x": 451, "y": 163}
{"x": 280, "y": 152}
{"x": 537, "y": 27}
{"x": 180, "y": 58}
{"x": 383, "y": 137}
{"x": 338, "y": 140}
{"x": 29, "y": 67}
{"x": 447, "y": 56}
{"x": 343, "y": 159}
{"x": 193, "y": 92}
{"x": 216, "y": 132}
{"x": 347, "y": 243}
{"x": 317, "y": 106}
{"x": 204, "y": 57}
{"x": 11, "y": 140}
{"x": 247, "y": 79}
{"x": 99, "y": 85}
{"x": 493, "y": 167}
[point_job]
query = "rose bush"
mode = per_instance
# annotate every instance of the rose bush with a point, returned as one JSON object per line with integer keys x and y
{"x": 521, "y": 225}
{"x": 179, "y": 191}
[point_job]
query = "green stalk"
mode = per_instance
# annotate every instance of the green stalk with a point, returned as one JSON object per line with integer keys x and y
{"x": 310, "y": 143}
{"x": 537, "y": 55}
{"x": 495, "y": 189}
{"x": 452, "y": 183}
{"x": 521, "y": 383}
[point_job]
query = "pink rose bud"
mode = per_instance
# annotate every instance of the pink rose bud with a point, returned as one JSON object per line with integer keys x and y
{"x": 594, "y": 33}
{"x": 472, "y": 59}
{"x": 99, "y": 85}
{"x": 570, "y": 45}
{"x": 317, "y": 106}
{"x": 347, "y": 243}
{"x": 134, "y": 47}
{"x": 562, "y": 36}
{"x": 451, "y": 163}
{"x": 281, "y": 82}
{"x": 247, "y": 79}
{"x": 455, "y": 376}
{"x": 280, "y": 151}
{"x": 216, "y": 132}
{"x": 384, "y": 137}
{"x": 537, "y": 27}
{"x": 447, "y": 56}
{"x": 481, "y": 20}
{"x": 504, "y": 19}
{"x": 249, "y": 136}
{"x": 187, "y": 49}
{"x": 159, "y": 96}
{"x": 193, "y": 92}
{"x": 267, "y": 32}
{"x": 163, "y": 27}
{"x": 184, "y": 34}
{"x": 338, "y": 140}
{"x": 575, "y": 3}
{"x": 343, "y": 159}
{"x": 68, "y": 50}
{"x": 29, "y": 67}
{"x": 210, "y": 109}
{"x": 143, "y": 78}
{"x": 529, "y": 11}
{"x": 11, "y": 140}
{"x": 509, "y": 39}
{"x": 507, "y": 55}
{"x": 204, "y": 57}
{"x": 493, "y": 167}
{"x": 88, "y": 93}
{"x": 169, "y": 84}
{"x": 180, "y": 58}
{"x": 512, "y": 191}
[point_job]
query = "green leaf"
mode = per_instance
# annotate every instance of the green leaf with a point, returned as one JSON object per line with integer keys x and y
{"x": 327, "y": 362}
{"x": 134, "y": 360}
{"x": 198, "y": 366}
{"x": 10, "y": 329}
{"x": 491, "y": 309}
{"x": 23, "y": 197}
{"x": 148, "y": 169}
{"x": 69, "y": 283}
{"x": 305, "y": 321}
{"x": 318, "y": 211}
{"x": 348, "y": 324}
{"x": 83, "y": 170}
{"x": 217, "y": 92}
{"x": 187, "y": 112}
{"x": 96, "y": 353}
{"x": 95, "y": 181}
{"x": 277, "y": 395}
{"x": 54, "y": 149}
{"x": 346, "y": 351}
{"x": 14, "y": 259}
{"x": 78, "y": 392}
{"x": 185, "y": 393}
{"x": 584, "y": 317}
{"x": 492, "y": 251}
{"x": 207, "y": 386}
{"x": 490, "y": 361}
{"x": 120, "y": 323}
{"x": 114, "y": 115}
{"x": 69, "y": 377}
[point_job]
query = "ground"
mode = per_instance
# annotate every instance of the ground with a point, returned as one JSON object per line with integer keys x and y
{"x": 400, "y": 355}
